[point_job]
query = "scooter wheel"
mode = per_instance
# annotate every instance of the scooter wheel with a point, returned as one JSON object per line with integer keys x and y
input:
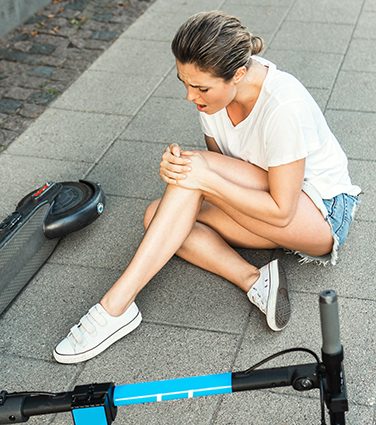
{"x": 77, "y": 205}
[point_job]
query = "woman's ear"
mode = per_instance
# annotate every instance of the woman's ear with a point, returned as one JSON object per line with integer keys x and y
{"x": 239, "y": 74}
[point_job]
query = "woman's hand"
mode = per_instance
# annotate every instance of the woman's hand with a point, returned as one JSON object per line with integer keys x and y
{"x": 173, "y": 166}
{"x": 184, "y": 168}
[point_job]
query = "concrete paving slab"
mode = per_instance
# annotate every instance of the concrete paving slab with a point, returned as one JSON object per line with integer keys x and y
{"x": 153, "y": 123}
{"x": 369, "y": 5}
{"x": 135, "y": 57}
{"x": 352, "y": 90}
{"x": 252, "y": 3}
{"x": 344, "y": 276}
{"x": 331, "y": 38}
{"x": 184, "y": 295}
{"x": 138, "y": 177}
{"x": 136, "y": 167}
{"x": 156, "y": 352}
{"x": 156, "y": 25}
{"x": 366, "y": 25}
{"x": 267, "y": 37}
{"x": 307, "y": 66}
{"x": 184, "y": 7}
{"x": 171, "y": 87}
{"x": 260, "y": 20}
{"x": 161, "y": 25}
{"x": 71, "y": 291}
{"x": 321, "y": 96}
{"x": 62, "y": 419}
{"x": 362, "y": 52}
{"x": 364, "y": 173}
{"x": 20, "y": 175}
{"x": 345, "y": 12}
{"x": 356, "y": 324}
{"x": 111, "y": 241}
{"x": 66, "y": 135}
{"x": 269, "y": 408}
{"x": 355, "y": 132}
{"x": 109, "y": 93}
{"x": 53, "y": 321}
{"x": 24, "y": 374}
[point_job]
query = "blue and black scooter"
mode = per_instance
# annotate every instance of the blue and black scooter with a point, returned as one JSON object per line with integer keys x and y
{"x": 96, "y": 404}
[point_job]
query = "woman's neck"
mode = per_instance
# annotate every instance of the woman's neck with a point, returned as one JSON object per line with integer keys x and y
{"x": 248, "y": 91}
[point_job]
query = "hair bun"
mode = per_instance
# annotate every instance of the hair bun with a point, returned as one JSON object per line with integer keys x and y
{"x": 257, "y": 44}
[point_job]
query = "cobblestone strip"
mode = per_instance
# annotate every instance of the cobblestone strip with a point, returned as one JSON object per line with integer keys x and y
{"x": 43, "y": 57}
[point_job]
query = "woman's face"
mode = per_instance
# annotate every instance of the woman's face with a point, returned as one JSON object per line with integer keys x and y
{"x": 210, "y": 94}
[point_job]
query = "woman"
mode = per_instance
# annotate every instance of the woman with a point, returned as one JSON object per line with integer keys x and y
{"x": 273, "y": 176}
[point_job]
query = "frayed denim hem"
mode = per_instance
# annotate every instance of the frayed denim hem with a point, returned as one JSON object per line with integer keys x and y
{"x": 330, "y": 258}
{"x": 322, "y": 260}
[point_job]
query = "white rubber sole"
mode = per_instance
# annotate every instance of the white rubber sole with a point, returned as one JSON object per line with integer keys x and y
{"x": 278, "y": 306}
{"x": 87, "y": 355}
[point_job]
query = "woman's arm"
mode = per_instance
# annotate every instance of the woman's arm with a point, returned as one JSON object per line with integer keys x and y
{"x": 276, "y": 206}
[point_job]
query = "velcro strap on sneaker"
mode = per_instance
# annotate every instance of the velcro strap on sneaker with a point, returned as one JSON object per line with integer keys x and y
{"x": 97, "y": 316}
{"x": 77, "y": 334}
{"x": 86, "y": 323}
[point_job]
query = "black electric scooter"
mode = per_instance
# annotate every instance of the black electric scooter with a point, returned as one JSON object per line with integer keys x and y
{"x": 29, "y": 235}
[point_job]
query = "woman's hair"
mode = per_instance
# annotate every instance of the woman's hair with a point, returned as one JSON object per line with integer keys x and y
{"x": 215, "y": 42}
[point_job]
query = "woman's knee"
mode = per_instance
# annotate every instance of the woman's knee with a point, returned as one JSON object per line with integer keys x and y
{"x": 209, "y": 155}
{"x": 150, "y": 212}
{"x": 237, "y": 170}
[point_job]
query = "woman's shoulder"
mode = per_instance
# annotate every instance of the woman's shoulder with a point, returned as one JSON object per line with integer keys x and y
{"x": 283, "y": 88}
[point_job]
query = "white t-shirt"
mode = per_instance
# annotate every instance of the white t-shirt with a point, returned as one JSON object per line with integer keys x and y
{"x": 285, "y": 125}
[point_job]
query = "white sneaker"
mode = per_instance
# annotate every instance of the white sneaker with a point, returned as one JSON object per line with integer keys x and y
{"x": 95, "y": 332}
{"x": 270, "y": 295}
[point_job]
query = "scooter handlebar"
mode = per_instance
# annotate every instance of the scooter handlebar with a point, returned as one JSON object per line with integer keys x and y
{"x": 331, "y": 343}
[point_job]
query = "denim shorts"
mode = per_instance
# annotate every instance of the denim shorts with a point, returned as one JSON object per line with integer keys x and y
{"x": 339, "y": 214}
{"x": 341, "y": 211}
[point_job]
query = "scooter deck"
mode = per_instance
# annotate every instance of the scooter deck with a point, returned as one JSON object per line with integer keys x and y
{"x": 23, "y": 255}
{"x": 30, "y": 234}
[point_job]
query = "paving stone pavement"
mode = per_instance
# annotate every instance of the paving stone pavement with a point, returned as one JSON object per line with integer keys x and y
{"x": 40, "y": 59}
{"x": 111, "y": 125}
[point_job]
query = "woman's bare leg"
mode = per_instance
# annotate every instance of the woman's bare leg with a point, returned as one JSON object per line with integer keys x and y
{"x": 212, "y": 251}
{"x": 171, "y": 225}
